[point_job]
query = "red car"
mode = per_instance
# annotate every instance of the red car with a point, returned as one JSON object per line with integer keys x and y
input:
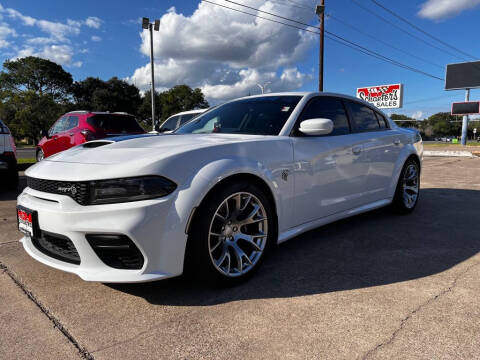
{"x": 77, "y": 127}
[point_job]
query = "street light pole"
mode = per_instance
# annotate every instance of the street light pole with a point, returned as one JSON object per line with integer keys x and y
{"x": 465, "y": 120}
{"x": 155, "y": 26}
{"x": 320, "y": 11}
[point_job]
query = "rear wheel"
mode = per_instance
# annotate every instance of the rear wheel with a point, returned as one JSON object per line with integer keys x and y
{"x": 231, "y": 234}
{"x": 408, "y": 188}
{"x": 40, "y": 155}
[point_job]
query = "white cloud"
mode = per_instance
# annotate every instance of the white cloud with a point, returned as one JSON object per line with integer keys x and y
{"x": 96, "y": 38}
{"x": 55, "y": 46}
{"x": 93, "y": 22}
{"x": 440, "y": 9}
{"x": 60, "y": 54}
{"x": 417, "y": 115}
{"x": 225, "y": 53}
{"x": 4, "y": 43}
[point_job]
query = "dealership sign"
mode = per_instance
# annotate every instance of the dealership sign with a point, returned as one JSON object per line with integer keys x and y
{"x": 382, "y": 96}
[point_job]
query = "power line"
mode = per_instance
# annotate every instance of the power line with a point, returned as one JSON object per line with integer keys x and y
{"x": 420, "y": 29}
{"x": 301, "y": 5}
{"x": 383, "y": 42}
{"x": 290, "y": 4}
{"x": 335, "y": 38}
{"x": 407, "y": 32}
{"x": 377, "y": 55}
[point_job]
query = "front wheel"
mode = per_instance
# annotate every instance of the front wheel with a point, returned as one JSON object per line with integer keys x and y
{"x": 408, "y": 188}
{"x": 231, "y": 234}
{"x": 40, "y": 155}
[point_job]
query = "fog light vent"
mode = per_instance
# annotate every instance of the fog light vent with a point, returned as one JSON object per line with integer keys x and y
{"x": 116, "y": 251}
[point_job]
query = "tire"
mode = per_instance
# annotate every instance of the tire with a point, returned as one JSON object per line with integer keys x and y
{"x": 12, "y": 178}
{"x": 219, "y": 231}
{"x": 407, "y": 192}
{"x": 40, "y": 155}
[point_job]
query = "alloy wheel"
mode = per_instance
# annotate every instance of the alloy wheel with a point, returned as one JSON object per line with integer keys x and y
{"x": 410, "y": 185}
{"x": 238, "y": 234}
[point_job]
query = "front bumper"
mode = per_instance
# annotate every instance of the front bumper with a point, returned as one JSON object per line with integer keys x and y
{"x": 152, "y": 225}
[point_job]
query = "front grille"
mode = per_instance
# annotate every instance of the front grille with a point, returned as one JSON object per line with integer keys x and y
{"x": 57, "y": 246}
{"x": 78, "y": 191}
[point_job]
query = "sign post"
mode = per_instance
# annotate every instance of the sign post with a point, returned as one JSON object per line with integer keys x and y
{"x": 463, "y": 76}
{"x": 382, "y": 96}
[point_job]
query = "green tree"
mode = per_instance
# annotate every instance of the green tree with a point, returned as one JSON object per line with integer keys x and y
{"x": 27, "y": 113}
{"x": 181, "y": 98}
{"x": 83, "y": 92}
{"x": 35, "y": 75}
{"x": 444, "y": 124}
{"x": 118, "y": 95}
{"x": 145, "y": 109}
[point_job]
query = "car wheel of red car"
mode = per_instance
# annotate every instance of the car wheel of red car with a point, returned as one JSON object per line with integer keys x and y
{"x": 40, "y": 155}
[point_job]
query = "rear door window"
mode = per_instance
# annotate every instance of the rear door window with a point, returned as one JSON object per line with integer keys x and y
{"x": 363, "y": 117}
{"x": 382, "y": 121}
{"x": 114, "y": 123}
{"x": 3, "y": 128}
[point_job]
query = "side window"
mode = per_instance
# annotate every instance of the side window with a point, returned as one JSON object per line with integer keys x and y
{"x": 186, "y": 118}
{"x": 328, "y": 107}
{"x": 58, "y": 126}
{"x": 71, "y": 123}
{"x": 382, "y": 121}
{"x": 363, "y": 117}
{"x": 170, "y": 124}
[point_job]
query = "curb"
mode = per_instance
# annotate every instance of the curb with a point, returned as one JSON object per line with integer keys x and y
{"x": 448, "y": 153}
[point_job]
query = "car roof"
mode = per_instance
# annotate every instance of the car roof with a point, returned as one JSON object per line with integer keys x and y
{"x": 197, "y": 111}
{"x": 97, "y": 112}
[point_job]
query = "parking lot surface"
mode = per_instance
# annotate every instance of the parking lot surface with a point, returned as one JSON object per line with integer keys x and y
{"x": 374, "y": 286}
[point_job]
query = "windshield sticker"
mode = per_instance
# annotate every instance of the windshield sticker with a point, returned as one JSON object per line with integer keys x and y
{"x": 285, "y": 108}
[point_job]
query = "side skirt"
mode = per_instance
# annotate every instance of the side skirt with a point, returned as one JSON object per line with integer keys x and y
{"x": 297, "y": 230}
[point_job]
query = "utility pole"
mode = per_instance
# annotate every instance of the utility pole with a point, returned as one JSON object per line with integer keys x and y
{"x": 465, "y": 120}
{"x": 320, "y": 11}
{"x": 152, "y": 26}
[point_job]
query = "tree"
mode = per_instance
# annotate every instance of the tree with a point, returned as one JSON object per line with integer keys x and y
{"x": 27, "y": 113}
{"x": 83, "y": 92}
{"x": 181, "y": 98}
{"x": 443, "y": 124}
{"x": 35, "y": 75}
{"x": 145, "y": 109}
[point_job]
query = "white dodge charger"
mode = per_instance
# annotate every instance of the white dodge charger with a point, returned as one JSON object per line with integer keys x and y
{"x": 218, "y": 193}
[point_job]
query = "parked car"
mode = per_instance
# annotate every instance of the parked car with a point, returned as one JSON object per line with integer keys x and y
{"x": 217, "y": 194}
{"x": 177, "y": 120}
{"x": 77, "y": 127}
{"x": 8, "y": 159}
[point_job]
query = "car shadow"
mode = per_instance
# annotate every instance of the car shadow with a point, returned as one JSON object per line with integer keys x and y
{"x": 371, "y": 249}
{"x": 6, "y": 195}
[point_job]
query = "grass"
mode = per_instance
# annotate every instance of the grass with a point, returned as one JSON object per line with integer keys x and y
{"x": 26, "y": 161}
{"x": 470, "y": 143}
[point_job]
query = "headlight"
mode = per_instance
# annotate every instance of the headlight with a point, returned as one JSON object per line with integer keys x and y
{"x": 129, "y": 189}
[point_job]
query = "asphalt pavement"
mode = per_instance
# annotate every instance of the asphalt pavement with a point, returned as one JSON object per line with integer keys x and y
{"x": 26, "y": 153}
{"x": 374, "y": 286}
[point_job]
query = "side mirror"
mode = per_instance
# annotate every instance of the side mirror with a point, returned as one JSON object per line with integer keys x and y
{"x": 316, "y": 127}
{"x": 44, "y": 133}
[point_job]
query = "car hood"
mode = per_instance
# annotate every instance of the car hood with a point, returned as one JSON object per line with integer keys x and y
{"x": 143, "y": 147}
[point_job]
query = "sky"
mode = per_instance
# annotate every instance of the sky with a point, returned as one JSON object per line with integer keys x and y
{"x": 226, "y": 53}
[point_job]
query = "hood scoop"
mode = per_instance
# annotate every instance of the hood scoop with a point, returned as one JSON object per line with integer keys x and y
{"x": 98, "y": 143}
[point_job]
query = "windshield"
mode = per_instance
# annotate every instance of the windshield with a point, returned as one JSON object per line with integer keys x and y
{"x": 255, "y": 116}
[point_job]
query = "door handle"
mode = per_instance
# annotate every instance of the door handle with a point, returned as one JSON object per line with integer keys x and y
{"x": 396, "y": 142}
{"x": 356, "y": 150}
{"x": 71, "y": 134}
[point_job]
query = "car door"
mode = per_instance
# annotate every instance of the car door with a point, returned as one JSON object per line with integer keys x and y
{"x": 69, "y": 133}
{"x": 52, "y": 146}
{"x": 329, "y": 174}
{"x": 380, "y": 147}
